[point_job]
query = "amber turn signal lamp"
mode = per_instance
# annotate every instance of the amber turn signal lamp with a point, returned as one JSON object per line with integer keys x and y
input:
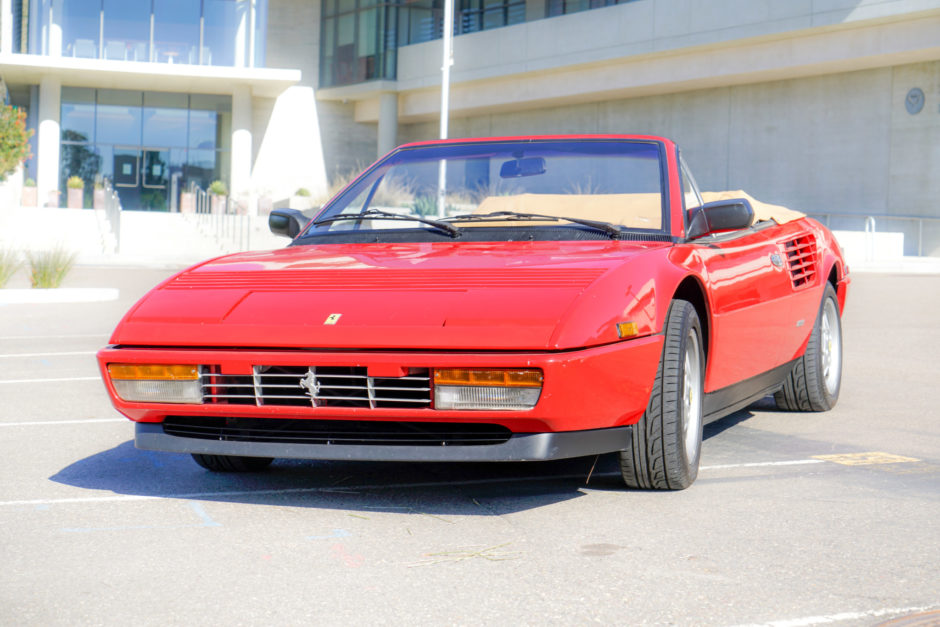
{"x": 627, "y": 329}
{"x": 152, "y": 372}
{"x": 489, "y": 378}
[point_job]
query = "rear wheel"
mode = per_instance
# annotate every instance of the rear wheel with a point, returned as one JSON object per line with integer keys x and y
{"x": 232, "y": 463}
{"x": 666, "y": 443}
{"x": 814, "y": 382}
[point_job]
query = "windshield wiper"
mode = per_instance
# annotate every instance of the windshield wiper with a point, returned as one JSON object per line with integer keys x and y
{"x": 377, "y": 214}
{"x": 496, "y": 216}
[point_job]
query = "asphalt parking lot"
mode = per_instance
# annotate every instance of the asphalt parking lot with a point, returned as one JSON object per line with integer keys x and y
{"x": 796, "y": 519}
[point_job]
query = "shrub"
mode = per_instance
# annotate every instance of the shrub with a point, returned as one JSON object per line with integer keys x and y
{"x": 48, "y": 268}
{"x": 9, "y": 264}
{"x": 303, "y": 191}
{"x": 29, "y": 183}
{"x": 218, "y": 188}
{"x": 14, "y": 140}
{"x": 75, "y": 182}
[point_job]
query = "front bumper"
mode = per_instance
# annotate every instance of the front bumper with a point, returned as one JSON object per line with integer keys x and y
{"x": 584, "y": 391}
{"x": 519, "y": 447}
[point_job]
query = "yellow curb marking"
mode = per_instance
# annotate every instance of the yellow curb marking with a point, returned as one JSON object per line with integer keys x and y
{"x": 866, "y": 459}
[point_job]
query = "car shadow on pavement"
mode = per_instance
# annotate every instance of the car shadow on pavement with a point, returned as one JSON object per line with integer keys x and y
{"x": 433, "y": 488}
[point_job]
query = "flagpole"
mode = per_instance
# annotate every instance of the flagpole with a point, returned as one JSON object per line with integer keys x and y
{"x": 448, "y": 60}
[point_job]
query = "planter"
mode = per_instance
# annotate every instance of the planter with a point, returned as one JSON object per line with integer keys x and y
{"x": 187, "y": 202}
{"x": 98, "y": 199}
{"x": 30, "y": 197}
{"x": 76, "y": 198}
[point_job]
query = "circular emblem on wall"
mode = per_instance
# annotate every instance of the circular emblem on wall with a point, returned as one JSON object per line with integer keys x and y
{"x": 914, "y": 101}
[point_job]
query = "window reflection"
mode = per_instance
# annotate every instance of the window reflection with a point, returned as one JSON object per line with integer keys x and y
{"x": 127, "y": 30}
{"x": 153, "y": 147}
{"x": 176, "y": 31}
{"x": 80, "y": 28}
{"x": 161, "y": 31}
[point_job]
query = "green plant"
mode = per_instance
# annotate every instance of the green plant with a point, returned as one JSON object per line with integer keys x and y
{"x": 14, "y": 140}
{"x": 75, "y": 182}
{"x": 9, "y": 264}
{"x": 29, "y": 183}
{"x": 303, "y": 191}
{"x": 48, "y": 268}
{"x": 218, "y": 188}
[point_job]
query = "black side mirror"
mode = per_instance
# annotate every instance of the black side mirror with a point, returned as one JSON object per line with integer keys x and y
{"x": 721, "y": 215}
{"x": 287, "y": 222}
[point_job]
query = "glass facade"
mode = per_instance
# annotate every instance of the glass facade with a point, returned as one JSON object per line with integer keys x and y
{"x": 152, "y": 146}
{"x": 360, "y": 38}
{"x": 194, "y": 32}
{"x": 563, "y": 7}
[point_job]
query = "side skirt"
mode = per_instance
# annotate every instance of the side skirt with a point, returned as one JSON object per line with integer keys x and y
{"x": 720, "y": 403}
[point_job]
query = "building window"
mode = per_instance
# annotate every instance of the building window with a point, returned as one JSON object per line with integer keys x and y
{"x": 564, "y": 7}
{"x": 194, "y": 32}
{"x": 152, "y": 146}
{"x": 360, "y": 38}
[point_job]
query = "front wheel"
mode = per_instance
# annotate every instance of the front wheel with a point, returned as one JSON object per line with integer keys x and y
{"x": 814, "y": 382}
{"x": 232, "y": 463}
{"x": 666, "y": 443}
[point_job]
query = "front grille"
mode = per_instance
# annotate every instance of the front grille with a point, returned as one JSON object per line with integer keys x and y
{"x": 801, "y": 258}
{"x": 335, "y": 432}
{"x": 317, "y": 386}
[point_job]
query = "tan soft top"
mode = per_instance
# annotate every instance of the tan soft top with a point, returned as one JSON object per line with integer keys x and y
{"x": 762, "y": 210}
{"x": 639, "y": 211}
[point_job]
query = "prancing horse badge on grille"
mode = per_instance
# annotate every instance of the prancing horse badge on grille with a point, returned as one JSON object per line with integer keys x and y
{"x": 332, "y": 319}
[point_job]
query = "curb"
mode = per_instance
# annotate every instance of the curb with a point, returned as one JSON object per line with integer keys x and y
{"x": 58, "y": 295}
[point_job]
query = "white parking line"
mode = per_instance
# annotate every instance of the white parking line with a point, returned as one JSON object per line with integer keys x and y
{"x": 44, "y": 423}
{"x": 9, "y": 355}
{"x": 843, "y": 616}
{"x": 50, "y": 380}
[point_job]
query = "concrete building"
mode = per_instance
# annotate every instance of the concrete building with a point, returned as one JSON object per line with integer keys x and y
{"x": 829, "y": 106}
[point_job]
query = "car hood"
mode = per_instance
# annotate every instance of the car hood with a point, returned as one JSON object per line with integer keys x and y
{"x": 506, "y": 295}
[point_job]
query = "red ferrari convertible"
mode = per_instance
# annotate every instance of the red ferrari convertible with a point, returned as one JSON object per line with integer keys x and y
{"x": 492, "y": 300}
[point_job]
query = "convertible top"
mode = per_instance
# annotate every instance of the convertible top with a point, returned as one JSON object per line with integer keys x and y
{"x": 762, "y": 210}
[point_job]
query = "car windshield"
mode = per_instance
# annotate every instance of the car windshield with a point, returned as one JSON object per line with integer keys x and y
{"x": 503, "y": 190}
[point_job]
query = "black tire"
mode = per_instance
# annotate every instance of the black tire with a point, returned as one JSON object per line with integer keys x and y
{"x": 816, "y": 378}
{"x": 666, "y": 443}
{"x": 232, "y": 463}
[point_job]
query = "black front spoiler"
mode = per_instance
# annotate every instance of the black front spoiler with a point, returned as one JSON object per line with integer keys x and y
{"x": 520, "y": 447}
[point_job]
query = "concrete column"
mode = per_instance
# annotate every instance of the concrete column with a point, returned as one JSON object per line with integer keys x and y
{"x": 240, "y": 172}
{"x": 388, "y": 122}
{"x": 6, "y": 26}
{"x": 47, "y": 149}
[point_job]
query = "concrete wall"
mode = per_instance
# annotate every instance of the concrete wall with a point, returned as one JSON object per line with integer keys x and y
{"x": 837, "y": 143}
{"x": 300, "y": 141}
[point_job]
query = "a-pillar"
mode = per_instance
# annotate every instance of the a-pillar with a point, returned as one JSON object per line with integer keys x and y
{"x": 388, "y": 122}
{"x": 47, "y": 145}
{"x": 240, "y": 173}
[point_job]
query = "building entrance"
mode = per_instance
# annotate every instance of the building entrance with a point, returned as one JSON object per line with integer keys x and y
{"x": 142, "y": 177}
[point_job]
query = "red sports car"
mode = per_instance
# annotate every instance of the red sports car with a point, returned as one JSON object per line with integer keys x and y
{"x": 488, "y": 300}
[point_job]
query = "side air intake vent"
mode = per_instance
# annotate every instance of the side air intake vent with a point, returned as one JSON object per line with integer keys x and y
{"x": 801, "y": 258}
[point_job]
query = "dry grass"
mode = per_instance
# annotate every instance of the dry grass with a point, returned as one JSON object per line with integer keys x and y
{"x": 9, "y": 264}
{"x": 48, "y": 269}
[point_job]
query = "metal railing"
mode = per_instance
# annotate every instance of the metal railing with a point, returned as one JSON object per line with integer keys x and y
{"x": 222, "y": 218}
{"x": 921, "y": 233}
